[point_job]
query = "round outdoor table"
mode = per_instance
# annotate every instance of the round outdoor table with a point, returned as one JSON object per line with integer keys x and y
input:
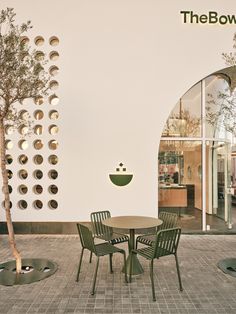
{"x": 132, "y": 223}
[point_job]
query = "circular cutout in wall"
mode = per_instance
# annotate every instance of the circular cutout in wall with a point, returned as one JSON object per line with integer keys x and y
{"x": 38, "y": 159}
{"x": 9, "y": 159}
{"x": 9, "y": 144}
{"x": 22, "y": 204}
{"x": 39, "y": 41}
{"x": 9, "y": 129}
{"x": 53, "y": 115}
{"x": 39, "y": 55}
{"x": 53, "y": 189}
{"x": 53, "y": 100}
{"x": 53, "y": 144}
{"x": 23, "y": 174}
{"x": 38, "y": 204}
{"x": 53, "y": 159}
{"x": 38, "y": 114}
{"x": 9, "y": 189}
{"x": 53, "y": 129}
{"x": 24, "y": 40}
{"x": 23, "y": 144}
{"x": 23, "y": 129}
{"x": 38, "y": 189}
{"x": 38, "y": 144}
{"x": 38, "y": 100}
{"x": 53, "y": 70}
{"x": 9, "y": 174}
{"x": 54, "y": 55}
{"x": 53, "y": 41}
{"x": 52, "y": 204}
{"x": 3, "y": 204}
{"x": 53, "y": 85}
{"x": 38, "y": 129}
{"x": 23, "y": 189}
{"x": 23, "y": 159}
{"x": 53, "y": 174}
{"x": 38, "y": 174}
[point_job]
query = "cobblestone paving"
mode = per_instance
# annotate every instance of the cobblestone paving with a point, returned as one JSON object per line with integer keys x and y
{"x": 206, "y": 288}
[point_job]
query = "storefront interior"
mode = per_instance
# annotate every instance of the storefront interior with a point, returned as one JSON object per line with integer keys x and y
{"x": 197, "y": 159}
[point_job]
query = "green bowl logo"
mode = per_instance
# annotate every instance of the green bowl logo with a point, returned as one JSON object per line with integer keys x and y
{"x": 121, "y": 177}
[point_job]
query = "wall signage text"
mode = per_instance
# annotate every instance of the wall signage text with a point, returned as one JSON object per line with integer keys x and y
{"x": 189, "y": 17}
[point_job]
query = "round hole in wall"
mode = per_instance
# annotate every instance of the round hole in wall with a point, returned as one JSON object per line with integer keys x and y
{"x": 9, "y": 159}
{"x": 24, "y": 40}
{"x": 53, "y": 85}
{"x": 38, "y": 204}
{"x": 23, "y": 129}
{"x": 53, "y": 55}
{"x": 38, "y": 129}
{"x": 53, "y": 159}
{"x": 38, "y": 144}
{"x": 53, "y": 70}
{"x": 3, "y": 204}
{"x": 53, "y": 115}
{"x": 52, "y": 204}
{"x": 53, "y": 129}
{"x": 53, "y": 174}
{"x": 53, "y": 41}
{"x": 23, "y": 144}
{"x": 38, "y": 114}
{"x": 9, "y": 144}
{"x": 23, "y": 159}
{"x": 23, "y": 55}
{"x": 23, "y": 174}
{"x": 9, "y": 189}
{"x": 9, "y": 129}
{"x": 39, "y": 55}
{"x": 53, "y": 189}
{"x": 22, "y": 189}
{"x": 39, "y": 41}
{"x": 39, "y": 100}
{"x": 9, "y": 174}
{"x": 38, "y": 159}
{"x": 53, "y": 144}
{"x": 53, "y": 100}
{"x": 38, "y": 174}
{"x": 38, "y": 189}
{"x": 22, "y": 204}
{"x": 24, "y": 115}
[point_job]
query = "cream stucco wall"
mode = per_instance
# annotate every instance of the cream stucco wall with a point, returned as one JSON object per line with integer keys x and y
{"x": 123, "y": 67}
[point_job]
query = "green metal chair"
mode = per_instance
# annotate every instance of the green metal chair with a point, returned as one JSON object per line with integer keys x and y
{"x": 103, "y": 232}
{"x": 166, "y": 243}
{"x": 169, "y": 221}
{"x": 102, "y": 249}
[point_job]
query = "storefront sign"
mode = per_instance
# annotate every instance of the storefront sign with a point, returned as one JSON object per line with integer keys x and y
{"x": 189, "y": 17}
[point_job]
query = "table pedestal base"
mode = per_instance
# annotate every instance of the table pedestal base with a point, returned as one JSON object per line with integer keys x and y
{"x": 137, "y": 269}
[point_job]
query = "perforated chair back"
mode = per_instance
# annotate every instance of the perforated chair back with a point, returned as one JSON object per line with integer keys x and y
{"x": 86, "y": 238}
{"x": 98, "y": 228}
{"x": 169, "y": 220}
{"x": 166, "y": 242}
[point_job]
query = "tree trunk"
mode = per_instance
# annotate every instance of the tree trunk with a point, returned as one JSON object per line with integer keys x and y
{"x": 11, "y": 234}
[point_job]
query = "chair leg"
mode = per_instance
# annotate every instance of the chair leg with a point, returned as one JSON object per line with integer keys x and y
{"x": 110, "y": 259}
{"x": 152, "y": 280}
{"x": 130, "y": 267}
{"x": 95, "y": 276}
{"x": 80, "y": 262}
{"x": 125, "y": 267}
{"x": 90, "y": 258}
{"x": 178, "y": 272}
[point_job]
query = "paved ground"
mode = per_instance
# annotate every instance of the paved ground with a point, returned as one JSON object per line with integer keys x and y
{"x": 206, "y": 288}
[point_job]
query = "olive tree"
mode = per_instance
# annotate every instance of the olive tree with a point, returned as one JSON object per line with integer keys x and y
{"x": 22, "y": 76}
